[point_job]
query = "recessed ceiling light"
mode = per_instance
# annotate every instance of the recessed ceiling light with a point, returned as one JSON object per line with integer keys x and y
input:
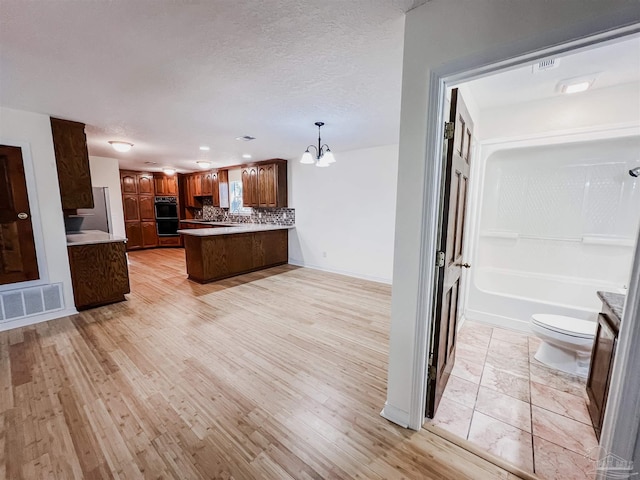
{"x": 204, "y": 148}
{"x": 203, "y": 164}
{"x": 121, "y": 146}
{"x": 246, "y": 138}
{"x": 169, "y": 170}
{"x": 151, "y": 163}
{"x": 246, "y": 155}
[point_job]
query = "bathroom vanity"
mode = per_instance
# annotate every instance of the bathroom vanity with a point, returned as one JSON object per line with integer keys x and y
{"x": 603, "y": 353}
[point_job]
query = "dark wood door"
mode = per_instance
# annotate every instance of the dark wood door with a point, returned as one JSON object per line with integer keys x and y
{"x": 146, "y": 204}
{"x": 18, "y": 261}
{"x": 448, "y": 294}
{"x": 128, "y": 183}
{"x": 145, "y": 184}
{"x": 131, "y": 208}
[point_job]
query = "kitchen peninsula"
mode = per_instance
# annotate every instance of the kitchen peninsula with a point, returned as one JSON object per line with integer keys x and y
{"x": 224, "y": 251}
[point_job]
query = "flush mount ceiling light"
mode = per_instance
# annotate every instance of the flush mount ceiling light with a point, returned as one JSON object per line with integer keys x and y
{"x": 575, "y": 85}
{"x": 323, "y": 157}
{"x": 169, "y": 170}
{"x": 246, "y": 155}
{"x": 203, "y": 164}
{"x": 204, "y": 148}
{"x": 121, "y": 146}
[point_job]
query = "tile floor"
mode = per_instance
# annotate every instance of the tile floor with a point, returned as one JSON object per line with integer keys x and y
{"x": 501, "y": 398}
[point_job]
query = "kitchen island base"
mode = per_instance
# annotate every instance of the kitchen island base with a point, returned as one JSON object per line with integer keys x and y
{"x": 211, "y": 258}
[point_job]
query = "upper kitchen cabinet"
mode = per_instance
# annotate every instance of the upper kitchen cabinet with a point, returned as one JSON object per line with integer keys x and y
{"x": 72, "y": 162}
{"x": 165, "y": 185}
{"x": 145, "y": 183}
{"x": 265, "y": 184}
{"x": 129, "y": 183}
{"x": 207, "y": 184}
{"x": 250, "y": 186}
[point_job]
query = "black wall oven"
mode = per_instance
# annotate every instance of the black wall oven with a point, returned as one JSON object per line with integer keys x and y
{"x": 167, "y": 216}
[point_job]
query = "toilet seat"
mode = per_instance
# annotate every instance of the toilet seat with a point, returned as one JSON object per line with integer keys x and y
{"x": 574, "y": 327}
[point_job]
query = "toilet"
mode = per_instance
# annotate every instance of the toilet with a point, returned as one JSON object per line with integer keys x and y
{"x": 566, "y": 342}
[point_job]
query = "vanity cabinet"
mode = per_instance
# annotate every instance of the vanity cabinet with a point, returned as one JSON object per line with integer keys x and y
{"x": 602, "y": 355}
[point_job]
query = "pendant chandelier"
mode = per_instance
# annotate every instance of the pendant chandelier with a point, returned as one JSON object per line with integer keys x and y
{"x": 323, "y": 157}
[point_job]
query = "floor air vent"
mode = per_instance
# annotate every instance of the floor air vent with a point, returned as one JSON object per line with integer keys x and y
{"x": 30, "y": 301}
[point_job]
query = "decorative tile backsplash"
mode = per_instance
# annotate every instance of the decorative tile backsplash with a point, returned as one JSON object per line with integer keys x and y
{"x": 273, "y": 216}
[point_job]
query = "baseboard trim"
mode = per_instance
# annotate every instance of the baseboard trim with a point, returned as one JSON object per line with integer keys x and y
{"x": 347, "y": 273}
{"x": 395, "y": 415}
{"x": 27, "y": 321}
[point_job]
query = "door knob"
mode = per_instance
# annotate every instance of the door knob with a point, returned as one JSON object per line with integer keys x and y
{"x": 464, "y": 265}
{"x": 23, "y": 216}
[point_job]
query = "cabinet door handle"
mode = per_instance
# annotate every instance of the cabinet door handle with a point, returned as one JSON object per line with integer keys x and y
{"x": 23, "y": 216}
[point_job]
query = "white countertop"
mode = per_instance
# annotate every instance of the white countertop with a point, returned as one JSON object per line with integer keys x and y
{"x": 88, "y": 237}
{"x": 240, "y": 228}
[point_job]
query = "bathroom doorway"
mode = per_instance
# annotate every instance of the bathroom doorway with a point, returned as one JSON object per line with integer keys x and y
{"x": 551, "y": 221}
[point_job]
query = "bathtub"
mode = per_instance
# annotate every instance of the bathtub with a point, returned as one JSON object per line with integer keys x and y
{"x": 508, "y": 298}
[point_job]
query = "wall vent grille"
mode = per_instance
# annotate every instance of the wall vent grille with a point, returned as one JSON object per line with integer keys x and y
{"x": 27, "y": 302}
{"x": 546, "y": 64}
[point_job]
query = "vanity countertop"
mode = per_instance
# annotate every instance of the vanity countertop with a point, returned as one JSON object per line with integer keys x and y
{"x": 615, "y": 301}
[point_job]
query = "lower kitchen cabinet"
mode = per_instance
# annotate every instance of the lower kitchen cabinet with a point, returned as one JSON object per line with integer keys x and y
{"x": 134, "y": 235}
{"x": 149, "y": 234}
{"x": 99, "y": 273}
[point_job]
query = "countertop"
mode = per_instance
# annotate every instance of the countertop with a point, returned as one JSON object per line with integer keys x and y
{"x": 615, "y": 301}
{"x": 89, "y": 237}
{"x": 211, "y": 222}
{"x": 236, "y": 228}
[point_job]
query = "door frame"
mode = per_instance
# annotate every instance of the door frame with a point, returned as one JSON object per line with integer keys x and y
{"x": 454, "y": 74}
{"x": 34, "y": 206}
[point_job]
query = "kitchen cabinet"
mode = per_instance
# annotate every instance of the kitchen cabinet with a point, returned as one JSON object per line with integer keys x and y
{"x": 72, "y": 163}
{"x": 165, "y": 185}
{"x": 250, "y": 186}
{"x": 265, "y": 184}
{"x": 149, "y": 234}
{"x": 207, "y": 187}
{"x": 133, "y": 231}
{"x": 99, "y": 273}
{"x": 147, "y": 209}
{"x": 139, "y": 209}
{"x": 131, "y": 207}
{"x": 222, "y": 186}
{"x": 602, "y": 355}
{"x": 145, "y": 183}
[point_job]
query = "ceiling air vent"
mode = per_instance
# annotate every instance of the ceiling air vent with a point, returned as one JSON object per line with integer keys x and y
{"x": 546, "y": 64}
{"x": 246, "y": 138}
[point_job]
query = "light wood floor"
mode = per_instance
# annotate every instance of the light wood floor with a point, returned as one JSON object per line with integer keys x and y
{"x": 278, "y": 374}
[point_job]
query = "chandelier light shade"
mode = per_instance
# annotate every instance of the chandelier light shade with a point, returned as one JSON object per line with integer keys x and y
{"x": 121, "y": 146}
{"x": 323, "y": 156}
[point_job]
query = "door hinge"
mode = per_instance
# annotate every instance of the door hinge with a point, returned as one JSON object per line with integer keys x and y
{"x": 432, "y": 372}
{"x": 449, "y": 130}
{"x": 440, "y": 259}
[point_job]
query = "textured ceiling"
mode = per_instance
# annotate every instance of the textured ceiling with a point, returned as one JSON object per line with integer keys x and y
{"x": 170, "y": 76}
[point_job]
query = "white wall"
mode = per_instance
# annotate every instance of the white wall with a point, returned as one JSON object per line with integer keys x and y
{"x": 600, "y": 107}
{"x": 345, "y": 214}
{"x": 32, "y": 132}
{"x": 444, "y": 36}
{"x": 105, "y": 172}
